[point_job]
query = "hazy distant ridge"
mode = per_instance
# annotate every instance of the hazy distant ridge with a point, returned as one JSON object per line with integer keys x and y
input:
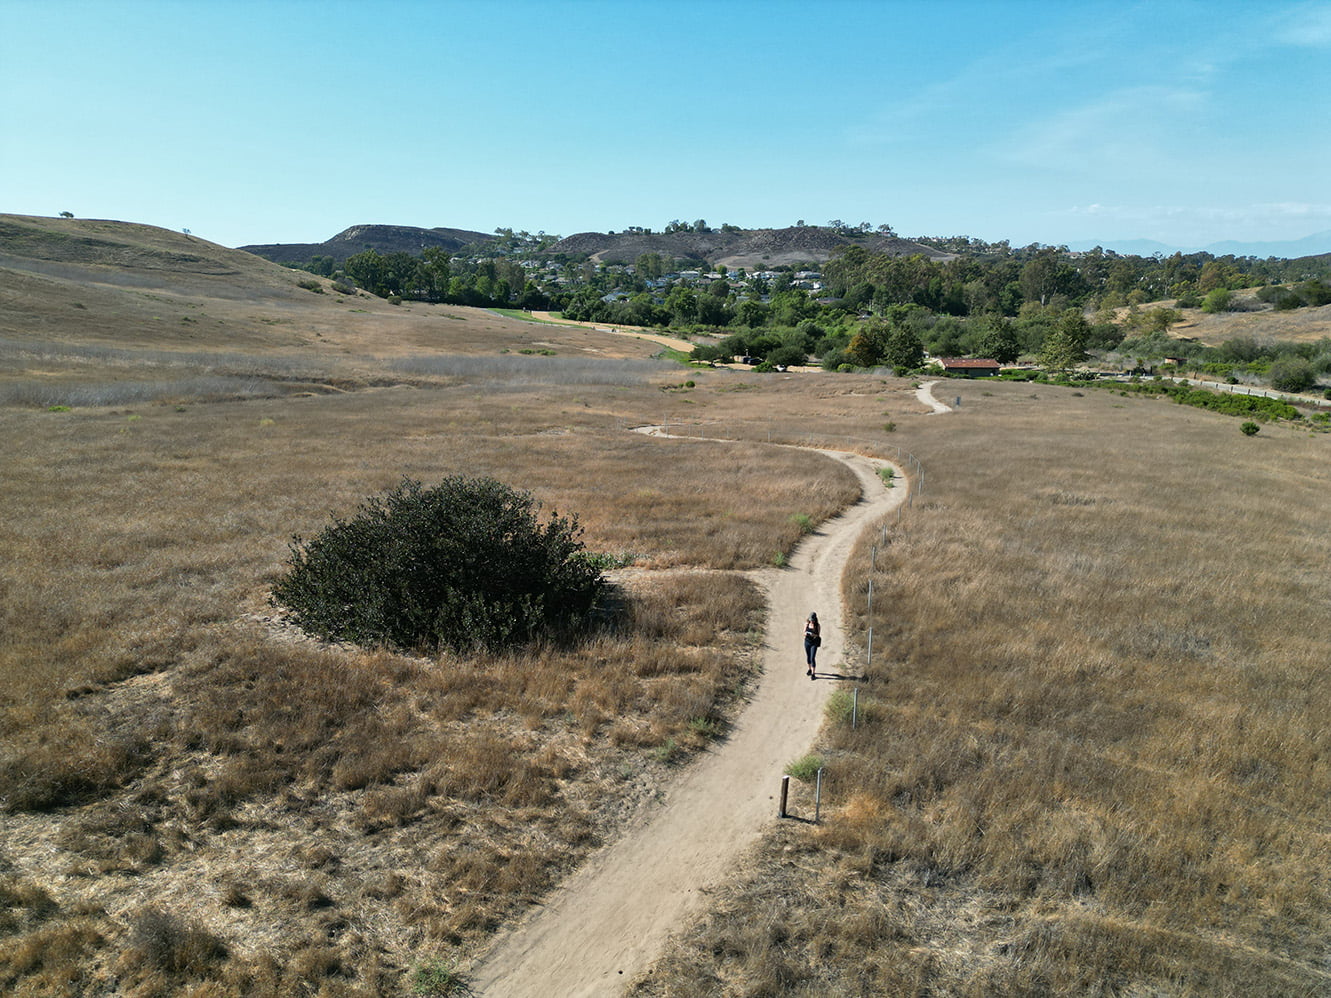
{"x": 1290, "y": 249}
{"x": 750, "y": 248}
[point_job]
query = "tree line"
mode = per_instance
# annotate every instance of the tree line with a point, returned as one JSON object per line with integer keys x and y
{"x": 988, "y": 300}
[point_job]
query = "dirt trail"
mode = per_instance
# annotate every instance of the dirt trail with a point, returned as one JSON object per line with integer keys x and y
{"x": 610, "y": 920}
{"x": 638, "y": 332}
{"x": 925, "y": 394}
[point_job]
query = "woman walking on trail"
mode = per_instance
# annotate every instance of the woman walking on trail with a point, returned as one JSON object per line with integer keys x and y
{"x": 813, "y": 637}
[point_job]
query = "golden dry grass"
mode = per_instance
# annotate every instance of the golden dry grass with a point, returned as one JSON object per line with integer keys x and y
{"x": 1094, "y": 756}
{"x": 179, "y": 767}
{"x": 1258, "y": 321}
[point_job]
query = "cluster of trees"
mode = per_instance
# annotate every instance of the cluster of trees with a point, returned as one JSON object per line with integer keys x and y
{"x": 778, "y": 347}
{"x": 1287, "y": 367}
{"x": 1060, "y": 340}
{"x": 435, "y": 277}
{"x": 979, "y": 280}
{"x": 1310, "y": 293}
{"x": 989, "y": 300}
{"x": 716, "y": 306}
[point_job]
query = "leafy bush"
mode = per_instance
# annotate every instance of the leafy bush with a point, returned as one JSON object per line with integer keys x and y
{"x": 787, "y": 356}
{"x": 1229, "y": 404}
{"x": 1292, "y": 374}
{"x": 707, "y": 352}
{"x": 463, "y": 565}
{"x": 1249, "y": 428}
{"x": 1314, "y": 292}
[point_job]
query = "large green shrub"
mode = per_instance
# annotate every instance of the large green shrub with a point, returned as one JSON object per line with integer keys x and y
{"x": 463, "y": 565}
{"x": 1292, "y": 374}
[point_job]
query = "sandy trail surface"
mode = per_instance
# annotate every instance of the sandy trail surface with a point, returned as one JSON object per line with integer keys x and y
{"x": 611, "y": 919}
{"x": 925, "y": 393}
{"x": 637, "y": 332}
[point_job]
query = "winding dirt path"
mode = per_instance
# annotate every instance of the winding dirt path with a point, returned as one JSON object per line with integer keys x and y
{"x": 611, "y": 919}
{"x": 925, "y": 393}
{"x": 637, "y": 332}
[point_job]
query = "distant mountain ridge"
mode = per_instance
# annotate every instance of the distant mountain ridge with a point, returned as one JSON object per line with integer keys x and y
{"x": 1317, "y": 244}
{"x": 753, "y": 249}
{"x": 381, "y": 238}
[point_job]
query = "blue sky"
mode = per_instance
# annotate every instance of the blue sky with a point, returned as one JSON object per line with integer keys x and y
{"x": 1052, "y": 122}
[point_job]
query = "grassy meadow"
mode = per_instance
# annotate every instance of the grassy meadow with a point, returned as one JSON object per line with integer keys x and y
{"x": 199, "y": 800}
{"x": 1091, "y": 756}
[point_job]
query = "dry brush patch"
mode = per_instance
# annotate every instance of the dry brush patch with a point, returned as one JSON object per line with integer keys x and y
{"x": 1093, "y": 758}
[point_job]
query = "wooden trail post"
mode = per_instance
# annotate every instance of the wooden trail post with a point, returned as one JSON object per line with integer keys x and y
{"x": 818, "y": 796}
{"x": 785, "y": 792}
{"x": 854, "y": 708}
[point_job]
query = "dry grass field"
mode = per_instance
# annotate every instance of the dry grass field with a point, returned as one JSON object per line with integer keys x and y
{"x": 1092, "y": 757}
{"x": 1256, "y": 320}
{"x": 198, "y": 799}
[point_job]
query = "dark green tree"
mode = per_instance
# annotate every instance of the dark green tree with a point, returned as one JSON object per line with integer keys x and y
{"x": 998, "y": 341}
{"x": 464, "y": 565}
{"x": 1292, "y": 374}
{"x": 903, "y": 348}
{"x": 1065, "y": 347}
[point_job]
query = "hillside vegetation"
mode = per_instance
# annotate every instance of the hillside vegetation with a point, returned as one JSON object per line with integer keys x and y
{"x": 381, "y": 238}
{"x": 1090, "y": 755}
{"x": 874, "y": 299}
{"x": 752, "y": 249}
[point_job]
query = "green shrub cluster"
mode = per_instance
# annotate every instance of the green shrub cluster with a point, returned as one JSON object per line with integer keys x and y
{"x": 1310, "y": 293}
{"x": 463, "y": 565}
{"x": 1227, "y": 403}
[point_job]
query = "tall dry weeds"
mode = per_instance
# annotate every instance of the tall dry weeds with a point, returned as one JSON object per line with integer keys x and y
{"x": 1093, "y": 758}
{"x": 173, "y": 755}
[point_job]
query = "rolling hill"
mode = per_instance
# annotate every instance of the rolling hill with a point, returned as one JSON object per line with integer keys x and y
{"x": 753, "y": 249}
{"x": 1084, "y": 752}
{"x": 381, "y": 238}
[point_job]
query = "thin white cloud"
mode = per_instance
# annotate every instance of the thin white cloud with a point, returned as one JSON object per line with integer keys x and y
{"x": 1202, "y": 224}
{"x": 1307, "y": 25}
{"x": 1133, "y": 129}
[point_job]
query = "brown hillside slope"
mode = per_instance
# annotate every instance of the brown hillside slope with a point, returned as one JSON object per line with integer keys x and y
{"x": 381, "y": 238}
{"x": 106, "y": 283}
{"x": 752, "y": 249}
